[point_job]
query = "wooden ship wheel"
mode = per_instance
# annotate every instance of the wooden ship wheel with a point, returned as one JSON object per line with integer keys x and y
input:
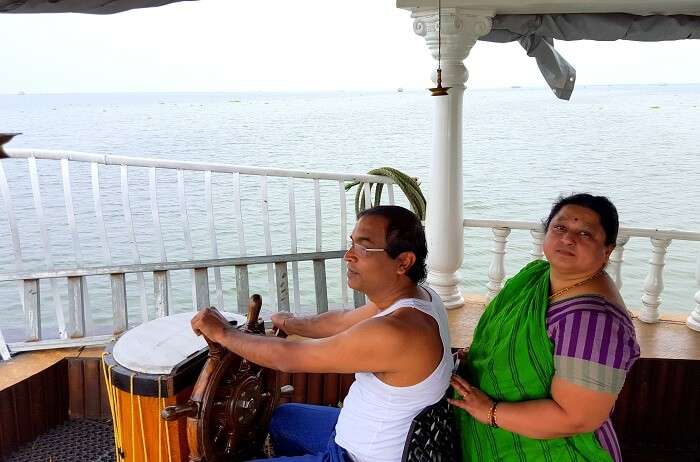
{"x": 231, "y": 403}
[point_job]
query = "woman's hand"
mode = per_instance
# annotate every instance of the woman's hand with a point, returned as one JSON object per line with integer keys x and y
{"x": 473, "y": 400}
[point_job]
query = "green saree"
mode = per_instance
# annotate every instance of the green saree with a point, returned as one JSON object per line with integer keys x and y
{"x": 511, "y": 360}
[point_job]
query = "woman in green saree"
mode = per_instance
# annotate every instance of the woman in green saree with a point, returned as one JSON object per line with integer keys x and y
{"x": 551, "y": 351}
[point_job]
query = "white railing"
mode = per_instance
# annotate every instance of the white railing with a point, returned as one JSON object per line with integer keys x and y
{"x": 77, "y": 334}
{"x": 184, "y": 187}
{"x": 653, "y": 285}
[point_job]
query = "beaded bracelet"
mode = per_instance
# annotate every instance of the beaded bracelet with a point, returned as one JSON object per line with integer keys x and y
{"x": 492, "y": 415}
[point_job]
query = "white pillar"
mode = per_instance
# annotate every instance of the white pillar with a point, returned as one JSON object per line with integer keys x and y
{"x": 444, "y": 215}
{"x": 694, "y": 319}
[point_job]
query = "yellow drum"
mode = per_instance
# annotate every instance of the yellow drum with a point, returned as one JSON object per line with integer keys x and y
{"x": 150, "y": 367}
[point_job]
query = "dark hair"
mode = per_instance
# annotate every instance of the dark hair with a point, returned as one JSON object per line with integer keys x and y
{"x": 404, "y": 233}
{"x": 607, "y": 213}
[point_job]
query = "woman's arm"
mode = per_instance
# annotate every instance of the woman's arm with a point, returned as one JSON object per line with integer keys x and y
{"x": 573, "y": 409}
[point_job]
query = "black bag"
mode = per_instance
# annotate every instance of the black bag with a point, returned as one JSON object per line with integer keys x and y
{"x": 432, "y": 436}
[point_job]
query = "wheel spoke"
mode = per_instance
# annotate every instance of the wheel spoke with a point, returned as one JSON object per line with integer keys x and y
{"x": 219, "y": 433}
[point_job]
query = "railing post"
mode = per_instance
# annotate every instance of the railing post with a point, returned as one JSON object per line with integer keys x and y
{"x": 320, "y": 284}
{"x": 616, "y": 259}
{"x": 267, "y": 234}
{"x": 120, "y": 321}
{"x": 344, "y": 240}
{"x": 358, "y": 298}
{"x": 76, "y": 307}
{"x": 282, "y": 283}
{"x": 497, "y": 270}
{"x": 32, "y": 310}
{"x": 185, "y": 220}
{"x": 654, "y": 283}
{"x": 39, "y": 209}
{"x": 293, "y": 242}
{"x": 694, "y": 319}
{"x": 160, "y": 291}
{"x": 368, "y": 195}
{"x": 4, "y": 351}
{"x": 73, "y": 225}
{"x": 390, "y": 193}
{"x": 213, "y": 244}
{"x": 201, "y": 288}
{"x": 242, "y": 289}
{"x": 537, "y": 240}
{"x": 14, "y": 229}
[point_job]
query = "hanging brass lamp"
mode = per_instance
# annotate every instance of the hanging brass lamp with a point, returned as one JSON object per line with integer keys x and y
{"x": 439, "y": 90}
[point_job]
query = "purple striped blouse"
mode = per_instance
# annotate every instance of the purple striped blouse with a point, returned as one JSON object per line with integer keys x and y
{"x": 594, "y": 346}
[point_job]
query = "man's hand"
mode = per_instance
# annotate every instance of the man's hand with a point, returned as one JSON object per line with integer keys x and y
{"x": 279, "y": 321}
{"x": 210, "y": 323}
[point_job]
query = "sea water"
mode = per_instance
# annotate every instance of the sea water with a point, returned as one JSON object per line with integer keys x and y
{"x": 638, "y": 145}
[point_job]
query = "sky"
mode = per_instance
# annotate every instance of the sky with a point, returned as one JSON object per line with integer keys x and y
{"x": 278, "y": 45}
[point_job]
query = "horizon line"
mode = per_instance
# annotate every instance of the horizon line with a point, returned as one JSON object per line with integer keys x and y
{"x": 383, "y": 90}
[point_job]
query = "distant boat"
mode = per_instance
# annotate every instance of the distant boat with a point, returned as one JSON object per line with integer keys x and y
{"x": 516, "y": 86}
{"x": 21, "y": 93}
{"x": 399, "y": 90}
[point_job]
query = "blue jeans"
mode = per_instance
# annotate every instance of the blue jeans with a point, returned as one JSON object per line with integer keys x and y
{"x": 305, "y": 433}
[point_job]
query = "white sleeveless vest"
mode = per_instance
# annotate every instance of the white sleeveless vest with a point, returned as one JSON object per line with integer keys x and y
{"x": 375, "y": 418}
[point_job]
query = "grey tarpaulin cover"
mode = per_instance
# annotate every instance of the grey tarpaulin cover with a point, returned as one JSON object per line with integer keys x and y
{"x": 536, "y": 33}
{"x": 77, "y": 6}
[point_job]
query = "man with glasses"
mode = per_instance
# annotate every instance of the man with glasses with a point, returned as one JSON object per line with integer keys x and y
{"x": 397, "y": 345}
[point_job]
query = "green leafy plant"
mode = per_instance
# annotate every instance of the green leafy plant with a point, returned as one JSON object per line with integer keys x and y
{"x": 409, "y": 186}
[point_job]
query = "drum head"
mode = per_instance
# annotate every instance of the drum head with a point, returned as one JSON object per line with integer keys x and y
{"x": 158, "y": 346}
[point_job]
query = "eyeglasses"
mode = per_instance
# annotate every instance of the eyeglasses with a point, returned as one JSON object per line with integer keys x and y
{"x": 360, "y": 250}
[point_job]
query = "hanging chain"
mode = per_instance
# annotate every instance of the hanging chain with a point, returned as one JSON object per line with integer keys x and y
{"x": 439, "y": 35}
{"x": 439, "y": 90}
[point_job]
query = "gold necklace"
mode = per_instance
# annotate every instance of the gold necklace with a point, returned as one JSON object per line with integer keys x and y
{"x": 580, "y": 283}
